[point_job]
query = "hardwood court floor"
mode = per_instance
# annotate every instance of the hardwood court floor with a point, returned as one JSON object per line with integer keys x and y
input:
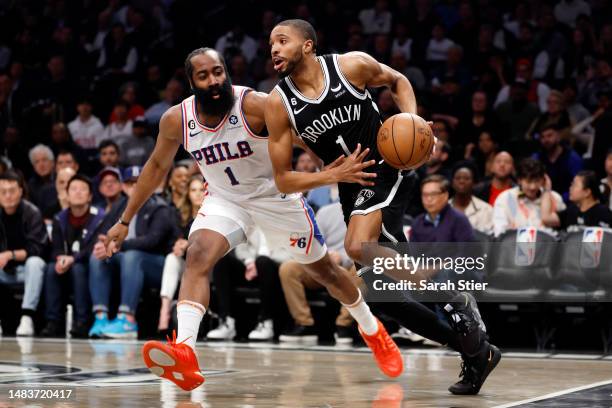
{"x": 112, "y": 374}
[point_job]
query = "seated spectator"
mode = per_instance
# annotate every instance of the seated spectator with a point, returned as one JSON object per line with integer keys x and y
{"x": 174, "y": 265}
{"x": 109, "y": 187}
{"x": 61, "y": 141}
{"x": 140, "y": 261}
{"x": 295, "y": 280}
{"x": 502, "y": 170}
{"x": 121, "y": 128}
{"x": 576, "y": 110}
{"x": 478, "y": 120}
{"x": 236, "y": 41}
{"x": 253, "y": 264}
{"x": 376, "y": 20}
{"x": 136, "y": 149}
{"x": 176, "y": 190}
{"x": 606, "y": 182}
{"x": 128, "y": 95}
{"x": 386, "y": 104}
{"x": 60, "y": 202}
{"x": 40, "y": 185}
{"x": 13, "y": 146}
{"x": 117, "y": 55}
{"x": 65, "y": 159}
{"x": 439, "y": 162}
{"x": 516, "y": 115}
{"x": 440, "y": 222}
{"x": 537, "y": 92}
{"x": 73, "y": 240}
{"x": 86, "y": 129}
{"x": 585, "y": 209}
{"x": 22, "y": 247}
{"x": 109, "y": 154}
{"x": 269, "y": 82}
{"x": 479, "y": 212}
{"x": 584, "y": 131}
{"x": 520, "y": 206}
{"x": 555, "y": 115}
{"x": 438, "y": 46}
{"x": 483, "y": 154}
{"x": 172, "y": 95}
{"x": 562, "y": 162}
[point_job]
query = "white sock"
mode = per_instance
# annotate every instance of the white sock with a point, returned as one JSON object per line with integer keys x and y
{"x": 362, "y": 314}
{"x": 189, "y": 315}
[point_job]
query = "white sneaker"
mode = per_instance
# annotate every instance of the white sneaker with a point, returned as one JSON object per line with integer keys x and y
{"x": 26, "y": 327}
{"x": 263, "y": 331}
{"x": 225, "y": 331}
{"x": 404, "y": 333}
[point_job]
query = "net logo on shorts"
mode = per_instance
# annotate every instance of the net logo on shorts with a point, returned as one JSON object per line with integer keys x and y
{"x": 295, "y": 240}
{"x": 364, "y": 195}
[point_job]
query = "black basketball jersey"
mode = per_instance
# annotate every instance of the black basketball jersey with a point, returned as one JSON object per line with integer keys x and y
{"x": 342, "y": 116}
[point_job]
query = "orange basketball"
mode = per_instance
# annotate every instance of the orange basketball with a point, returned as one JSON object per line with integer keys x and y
{"x": 405, "y": 141}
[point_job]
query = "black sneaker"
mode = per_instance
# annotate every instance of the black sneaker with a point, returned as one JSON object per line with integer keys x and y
{"x": 298, "y": 334}
{"x": 53, "y": 329}
{"x": 80, "y": 330}
{"x": 463, "y": 314}
{"x": 475, "y": 370}
{"x": 344, "y": 335}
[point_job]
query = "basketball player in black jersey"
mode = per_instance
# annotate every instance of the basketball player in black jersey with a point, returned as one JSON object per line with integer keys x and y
{"x": 324, "y": 100}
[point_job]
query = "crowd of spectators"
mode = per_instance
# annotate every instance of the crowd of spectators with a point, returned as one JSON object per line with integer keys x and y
{"x": 519, "y": 93}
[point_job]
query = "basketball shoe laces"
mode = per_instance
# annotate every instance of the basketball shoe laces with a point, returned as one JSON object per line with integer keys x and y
{"x": 383, "y": 344}
{"x": 467, "y": 374}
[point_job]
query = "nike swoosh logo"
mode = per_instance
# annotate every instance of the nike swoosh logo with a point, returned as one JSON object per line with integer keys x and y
{"x": 191, "y": 134}
{"x": 490, "y": 356}
{"x": 296, "y": 111}
{"x": 336, "y": 89}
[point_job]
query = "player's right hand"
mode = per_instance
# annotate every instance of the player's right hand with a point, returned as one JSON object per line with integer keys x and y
{"x": 350, "y": 169}
{"x": 114, "y": 238}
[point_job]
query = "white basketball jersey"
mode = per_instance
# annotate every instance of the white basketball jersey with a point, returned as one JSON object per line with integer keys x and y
{"x": 233, "y": 160}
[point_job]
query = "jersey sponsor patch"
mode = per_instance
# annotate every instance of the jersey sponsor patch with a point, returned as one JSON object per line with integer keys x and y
{"x": 364, "y": 195}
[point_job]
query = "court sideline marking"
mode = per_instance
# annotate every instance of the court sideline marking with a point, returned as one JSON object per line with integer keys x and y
{"x": 554, "y": 394}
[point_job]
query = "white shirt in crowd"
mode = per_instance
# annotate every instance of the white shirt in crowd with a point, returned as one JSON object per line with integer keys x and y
{"x": 248, "y": 46}
{"x": 374, "y": 22}
{"x": 438, "y": 50}
{"x": 513, "y": 210}
{"x": 87, "y": 134}
{"x": 116, "y": 131}
{"x": 566, "y": 11}
{"x": 542, "y": 90}
{"x": 480, "y": 214}
{"x": 404, "y": 48}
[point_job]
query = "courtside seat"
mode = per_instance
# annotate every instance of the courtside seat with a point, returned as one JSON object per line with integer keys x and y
{"x": 583, "y": 269}
{"x": 509, "y": 280}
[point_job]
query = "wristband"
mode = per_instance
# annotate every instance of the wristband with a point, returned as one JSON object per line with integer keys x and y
{"x": 122, "y": 222}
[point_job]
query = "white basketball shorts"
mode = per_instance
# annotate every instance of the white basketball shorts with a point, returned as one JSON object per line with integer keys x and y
{"x": 285, "y": 220}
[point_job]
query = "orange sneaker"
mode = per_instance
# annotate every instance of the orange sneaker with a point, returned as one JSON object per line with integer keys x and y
{"x": 175, "y": 362}
{"x": 386, "y": 353}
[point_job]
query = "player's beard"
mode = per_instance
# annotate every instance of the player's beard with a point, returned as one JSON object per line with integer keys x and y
{"x": 291, "y": 66}
{"x": 210, "y": 105}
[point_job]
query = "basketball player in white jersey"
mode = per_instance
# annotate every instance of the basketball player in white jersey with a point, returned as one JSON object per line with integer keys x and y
{"x": 223, "y": 129}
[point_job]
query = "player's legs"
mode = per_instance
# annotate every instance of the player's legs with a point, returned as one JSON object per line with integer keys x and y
{"x": 289, "y": 223}
{"x": 219, "y": 227}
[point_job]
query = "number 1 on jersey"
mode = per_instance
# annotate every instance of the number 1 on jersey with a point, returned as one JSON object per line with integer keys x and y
{"x": 231, "y": 176}
{"x": 340, "y": 141}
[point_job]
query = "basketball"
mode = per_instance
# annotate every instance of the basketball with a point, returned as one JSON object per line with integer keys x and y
{"x": 405, "y": 141}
